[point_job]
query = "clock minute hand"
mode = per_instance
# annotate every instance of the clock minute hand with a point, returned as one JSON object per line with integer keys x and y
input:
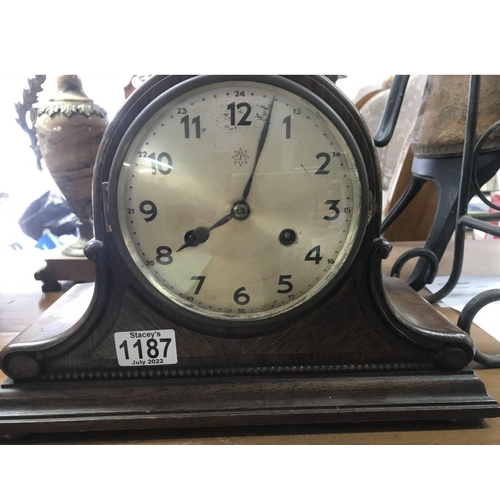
{"x": 260, "y": 147}
{"x": 200, "y": 234}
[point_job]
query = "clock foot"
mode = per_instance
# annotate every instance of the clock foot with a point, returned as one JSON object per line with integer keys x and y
{"x": 467, "y": 422}
{"x": 51, "y": 286}
{"x": 12, "y": 438}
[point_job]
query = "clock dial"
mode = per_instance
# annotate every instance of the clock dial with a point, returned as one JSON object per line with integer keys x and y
{"x": 239, "y": 199}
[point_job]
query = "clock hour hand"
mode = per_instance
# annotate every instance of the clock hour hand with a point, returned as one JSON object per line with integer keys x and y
{"x": 201, "y": 234}
{"x": 197, "y": 236}
{"x": 222, "y": 221}
{"x": 260, "y": 147}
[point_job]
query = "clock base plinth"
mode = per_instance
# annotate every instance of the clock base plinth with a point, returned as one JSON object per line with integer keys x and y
{"x": 236, "y": 401}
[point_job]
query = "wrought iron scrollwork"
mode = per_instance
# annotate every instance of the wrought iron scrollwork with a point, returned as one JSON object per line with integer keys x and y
{"x": 468, "y": 181}
{"x": 417, "y": 252}
{"x": 465, "y": 321}
{"x": 477, "y": 149}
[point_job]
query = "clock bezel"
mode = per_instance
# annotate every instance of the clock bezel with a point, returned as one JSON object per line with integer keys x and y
{"x": 188, "y": 317}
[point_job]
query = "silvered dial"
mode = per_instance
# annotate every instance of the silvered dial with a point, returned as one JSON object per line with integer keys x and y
{"x": 239, "y": 200}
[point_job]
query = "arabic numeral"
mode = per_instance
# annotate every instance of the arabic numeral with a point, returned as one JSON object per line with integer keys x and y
{"x": 152, "y": 345}
{"x": 314, "y": 254}
{"x": 243, "y": 120}
{"x": 124, "y": 346}
{"x": 167, "y": 343}
{"x": 163, "y": 163}
{"x": 241, "y": 298}
{"x": 201, "y": 280}
{"x": 283, "y": 280}
{"x": 164, "y": 255}
{"x": 152, "y": 348}
{"x": 197, "y": 124}
{"x": 327, "y": 159}
{"x": 138, "y": 345}
{"x": 333, "y": 206}
{"x": 288, "y": 126}
{"x": 321, "y": 170}
{"x": 147, "y": 207}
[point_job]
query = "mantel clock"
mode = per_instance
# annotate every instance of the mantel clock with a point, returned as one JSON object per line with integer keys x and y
{"x": 238, "y": 277}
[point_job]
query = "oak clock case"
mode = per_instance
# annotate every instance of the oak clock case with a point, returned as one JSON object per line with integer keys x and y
{"x": 237, "y": 219}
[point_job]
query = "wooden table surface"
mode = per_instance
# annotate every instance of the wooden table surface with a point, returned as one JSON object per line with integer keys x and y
{"x": 22, "y": 301}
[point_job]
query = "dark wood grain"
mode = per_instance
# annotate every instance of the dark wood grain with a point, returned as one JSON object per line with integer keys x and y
{"x": 367, "y": 352}
{"x": 481, "y": 257}
{"x": 64, "y": 406}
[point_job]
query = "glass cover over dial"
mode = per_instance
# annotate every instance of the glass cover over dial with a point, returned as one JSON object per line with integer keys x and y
{"x": 239, "y": 199}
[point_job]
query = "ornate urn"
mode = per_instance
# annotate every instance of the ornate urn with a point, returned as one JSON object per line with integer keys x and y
{"x": 69, "y": 129}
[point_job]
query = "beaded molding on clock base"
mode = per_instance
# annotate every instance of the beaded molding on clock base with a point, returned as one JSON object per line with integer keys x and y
{"x": 162, "y": 373}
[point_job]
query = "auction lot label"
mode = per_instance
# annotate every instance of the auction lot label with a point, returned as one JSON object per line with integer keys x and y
{"x": 146, "y": 348}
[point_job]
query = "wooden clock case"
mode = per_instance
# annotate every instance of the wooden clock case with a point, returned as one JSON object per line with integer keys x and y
{"x": 372, "y": 350}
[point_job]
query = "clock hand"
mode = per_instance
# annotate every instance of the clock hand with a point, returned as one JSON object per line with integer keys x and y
{"x": 197, "y": 236}
{"x": 240, "y": 209}
{"x": 222, "y": 221}
{"x": 260, "y": 147}
{"x": 200, "y": 234}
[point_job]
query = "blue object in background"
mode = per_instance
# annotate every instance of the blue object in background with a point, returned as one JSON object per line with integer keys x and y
{"x": 49, "y": 212}
{"x": 48, "y": 241}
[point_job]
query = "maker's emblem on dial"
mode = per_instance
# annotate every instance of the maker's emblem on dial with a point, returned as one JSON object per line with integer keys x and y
{"x": 240, "y": 157}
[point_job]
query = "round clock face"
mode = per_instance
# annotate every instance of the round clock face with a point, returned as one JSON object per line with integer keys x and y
{"x": 238, "y": 200}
